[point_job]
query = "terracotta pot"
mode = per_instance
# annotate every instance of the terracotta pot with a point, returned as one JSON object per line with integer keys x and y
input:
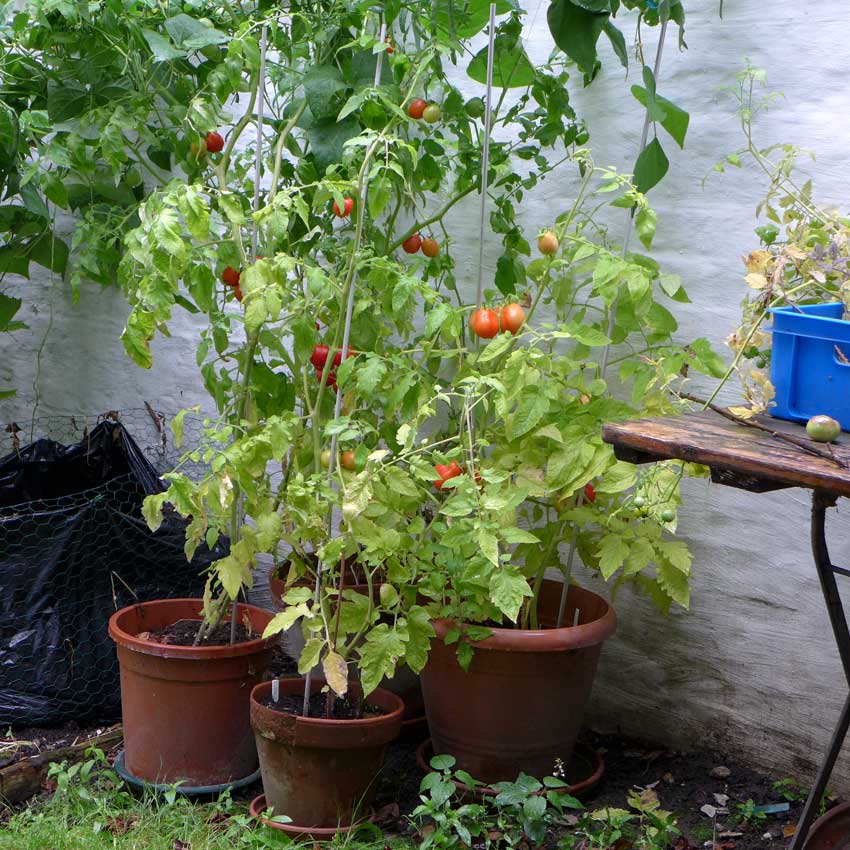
{"x": 830, "y": 831}
{"x": 519, "y": 707}
{"x": 319, "y": 772}
{"x": 186, "y": 709}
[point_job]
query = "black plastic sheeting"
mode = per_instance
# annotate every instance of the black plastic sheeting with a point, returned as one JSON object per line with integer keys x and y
{"x": 74, "y": 548}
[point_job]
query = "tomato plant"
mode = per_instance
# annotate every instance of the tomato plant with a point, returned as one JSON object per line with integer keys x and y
{"x": 391, "y": 371}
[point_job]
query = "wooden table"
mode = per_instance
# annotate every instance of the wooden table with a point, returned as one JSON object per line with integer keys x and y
{"x": 750, "y": 459}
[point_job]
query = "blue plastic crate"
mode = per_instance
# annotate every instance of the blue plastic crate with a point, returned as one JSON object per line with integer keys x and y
{"x": 806, "y": 372}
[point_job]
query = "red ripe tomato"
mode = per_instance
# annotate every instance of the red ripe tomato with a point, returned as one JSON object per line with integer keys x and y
{"x": 484, "y": 323}
{"x": 319, "y": 356}
{"x": 338, "y": 356}
{"x": 416, "y": 109}
{"x": 331, "y": 382}
{"x": 430, "y": 247}
{"x": 511, "y": 318}
{"x": 447, "y": 471}
{"x": 390, "y": 48}
{"x": 412, "y": 244}
{"x": 347, "y": 460}
{"x": 590, "y": 492}
{"x": 230, "y": 276}
{"x": 348, "y": 206}
{"x": 238, "y": 293}
{"x": 215, "y": 143}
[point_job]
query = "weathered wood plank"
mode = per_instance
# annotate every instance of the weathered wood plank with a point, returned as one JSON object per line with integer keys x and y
{"x": 22, "y": 779}
{"x": 744, "y": 457}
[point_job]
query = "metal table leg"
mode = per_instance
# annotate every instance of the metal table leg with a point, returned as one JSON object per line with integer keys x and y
{"x": 826, "y": 573}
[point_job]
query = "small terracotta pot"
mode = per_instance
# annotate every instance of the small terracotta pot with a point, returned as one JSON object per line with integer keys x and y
{"x": 519, "y": 707}
{"x": 318, "y": 772}
{"x": 185, "y": 708}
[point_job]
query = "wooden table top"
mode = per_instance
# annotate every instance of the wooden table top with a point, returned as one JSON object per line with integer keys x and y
{"x": 738, "y": 455}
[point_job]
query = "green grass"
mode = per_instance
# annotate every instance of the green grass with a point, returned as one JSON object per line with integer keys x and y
{"x": 92, "y": 810}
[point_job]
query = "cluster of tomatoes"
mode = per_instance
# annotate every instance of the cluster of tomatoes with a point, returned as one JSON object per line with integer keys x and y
{"x": 319, "y": 358}
{"x": 414, "y": 243}
{"x": 230, "y": 277}
{"x": 487, "y": 322}
{"x": 421, "y": 109}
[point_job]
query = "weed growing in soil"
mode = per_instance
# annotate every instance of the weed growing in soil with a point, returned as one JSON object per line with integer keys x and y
{"x": 520, "y": 815}
{"x": 748, "y": 815}
{"x": 644, "y": 825}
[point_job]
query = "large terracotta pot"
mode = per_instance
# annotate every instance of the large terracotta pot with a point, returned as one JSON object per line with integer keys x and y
{"x": 320, "y": 772}
{"x": 519, "y": 707}
{"x": 186, "y": 709}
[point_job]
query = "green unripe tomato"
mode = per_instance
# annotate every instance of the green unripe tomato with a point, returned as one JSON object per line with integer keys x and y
{"x": 212, "y": 52}
{"x": 188, "y": 8}
{"x": 432, "y": 113}
{"x": 326, "y": 458}
{"x": 668, "y": 515}
{"x": 823, "y": 429}
{"x": 475, "y": 107}
{"x": 388, "y": 595}
{"x": 206, "y": 22}
{"x": 639, "y": 501}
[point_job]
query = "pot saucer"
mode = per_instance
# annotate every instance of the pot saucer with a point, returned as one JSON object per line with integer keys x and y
{"x": 313, "y": 833}
{"x": 187, "y": 790}
{"x": 583, "y": 772}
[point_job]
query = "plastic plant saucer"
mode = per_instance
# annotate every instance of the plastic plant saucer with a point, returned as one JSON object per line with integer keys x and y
{"x": 314, "y": 833}
{"x": 186, "y": 790}
{"x": 585, "y": 769}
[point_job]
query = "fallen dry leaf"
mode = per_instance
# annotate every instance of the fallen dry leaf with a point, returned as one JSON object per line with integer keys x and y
{"x": 648, "y": 797}
{"x": 788, "y": 830}
{"x": 121, "y": 826}
{"x": 218, "y": 821}
{"x": 668, "y": 778}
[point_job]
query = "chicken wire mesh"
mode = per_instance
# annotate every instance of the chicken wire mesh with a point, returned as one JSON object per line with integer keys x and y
{"x": 74, "y": 548}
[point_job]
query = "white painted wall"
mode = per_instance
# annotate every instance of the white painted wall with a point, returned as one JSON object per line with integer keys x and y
{"x": 751, "y": 669}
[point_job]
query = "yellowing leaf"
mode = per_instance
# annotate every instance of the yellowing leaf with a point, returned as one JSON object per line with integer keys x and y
{"x": 336, "y": 673}
{"x": 755, "y": 280}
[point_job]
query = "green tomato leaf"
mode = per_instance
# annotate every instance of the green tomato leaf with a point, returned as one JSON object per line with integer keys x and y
{"x": 576, "y": 31}
{"x": 189, "y": 33}
{"x": 651, "y": 166}
{"x": 618, "y": 42}
{"x": 161, "y": 48}
{"x": 531, "y": 407}
{"x": 613, "y": 551}
{"x": 511, "y": 65}
{"x": 508, "y": 587}
{"x": 673, "y": 119}
{"x": 378, "y": 658}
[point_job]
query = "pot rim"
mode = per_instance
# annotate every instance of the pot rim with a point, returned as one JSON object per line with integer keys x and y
{"x": 167, "y": 650}
{"x": 544, "y": 640}
{"x": 325, "y": 722}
